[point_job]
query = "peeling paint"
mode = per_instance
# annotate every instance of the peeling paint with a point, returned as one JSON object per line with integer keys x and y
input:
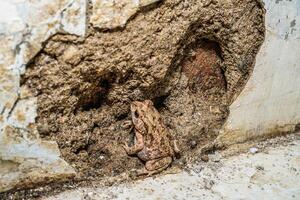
{"x": 24, "y": 26}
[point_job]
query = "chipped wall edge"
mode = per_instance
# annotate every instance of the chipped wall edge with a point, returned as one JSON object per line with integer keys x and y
{"x": 269, "y": 104}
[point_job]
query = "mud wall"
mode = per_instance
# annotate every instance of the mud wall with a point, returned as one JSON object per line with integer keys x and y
{"x": 25, "y": 158}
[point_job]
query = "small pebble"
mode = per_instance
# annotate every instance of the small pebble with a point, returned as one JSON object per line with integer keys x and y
{"x": 205, "y": 158}
{"x": 258, "y": 167}
{"x": 215, "y": 157}
{"x": 193, "y": 144}
{"x": 253, "y": 150}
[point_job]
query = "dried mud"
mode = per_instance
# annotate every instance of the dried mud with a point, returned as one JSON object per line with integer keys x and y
{"x": 191, "y": 58}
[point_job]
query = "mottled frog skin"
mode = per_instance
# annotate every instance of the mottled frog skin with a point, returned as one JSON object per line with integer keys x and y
{"x": 152, "y": 143}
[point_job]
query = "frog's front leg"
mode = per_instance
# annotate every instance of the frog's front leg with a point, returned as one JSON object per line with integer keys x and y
{"x": 138, "y": 146}
{"x": 155, "y": 166}
{"x": 175, "y": 146}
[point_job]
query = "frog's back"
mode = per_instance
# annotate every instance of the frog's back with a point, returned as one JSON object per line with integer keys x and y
{"x": 156, "y": 146}
{"x": 156, "y": 138}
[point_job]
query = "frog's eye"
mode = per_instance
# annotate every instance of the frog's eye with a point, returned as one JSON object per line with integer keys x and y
{"x": 136, "y": 114}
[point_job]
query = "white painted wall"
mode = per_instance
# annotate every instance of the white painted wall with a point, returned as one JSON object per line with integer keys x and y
{"x": 270, "y": 102}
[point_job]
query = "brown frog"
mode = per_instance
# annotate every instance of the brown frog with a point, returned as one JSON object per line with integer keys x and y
{"x": 152, "y": 143}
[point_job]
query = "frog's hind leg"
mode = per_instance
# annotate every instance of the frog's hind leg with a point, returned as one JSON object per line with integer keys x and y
{"x": 155, "y": 166}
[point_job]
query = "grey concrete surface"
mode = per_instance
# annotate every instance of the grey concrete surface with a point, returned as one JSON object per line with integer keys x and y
{"x": 268, "y": 173}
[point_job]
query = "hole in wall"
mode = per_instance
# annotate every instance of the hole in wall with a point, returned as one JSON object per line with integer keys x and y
{"x": 204, "y": 68}
{"x": 159, "y": 102}
{"x": 84, "y": 105}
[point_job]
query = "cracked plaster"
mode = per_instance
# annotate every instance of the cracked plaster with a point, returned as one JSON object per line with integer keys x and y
{"x": 24, "y": 26}
{"x": 109, "y": 14}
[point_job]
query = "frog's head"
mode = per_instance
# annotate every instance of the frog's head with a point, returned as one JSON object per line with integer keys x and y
{"x": 139, "y": 110}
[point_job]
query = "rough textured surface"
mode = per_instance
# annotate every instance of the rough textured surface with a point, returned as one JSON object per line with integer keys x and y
{"x": 270, "y": 102}
{"x": 84, "y": 87}
{"x": 109, "y": 14}
{"x": 24, "y": 25}
{"x": 203, "y": 58}
{"x": 272, "y": 173}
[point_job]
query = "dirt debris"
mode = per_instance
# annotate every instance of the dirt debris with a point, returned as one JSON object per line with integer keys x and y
{"x": 191, "y": 58}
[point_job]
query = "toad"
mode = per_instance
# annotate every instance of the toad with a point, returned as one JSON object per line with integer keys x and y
{"x": 152, "y": 143}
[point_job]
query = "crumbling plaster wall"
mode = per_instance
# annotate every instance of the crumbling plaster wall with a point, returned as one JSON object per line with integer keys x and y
{"x": 271, "y": 97}
{"x": 24, "y": 26}
{"x": 270, "y": 101}
{"x": 25, "y": 159}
